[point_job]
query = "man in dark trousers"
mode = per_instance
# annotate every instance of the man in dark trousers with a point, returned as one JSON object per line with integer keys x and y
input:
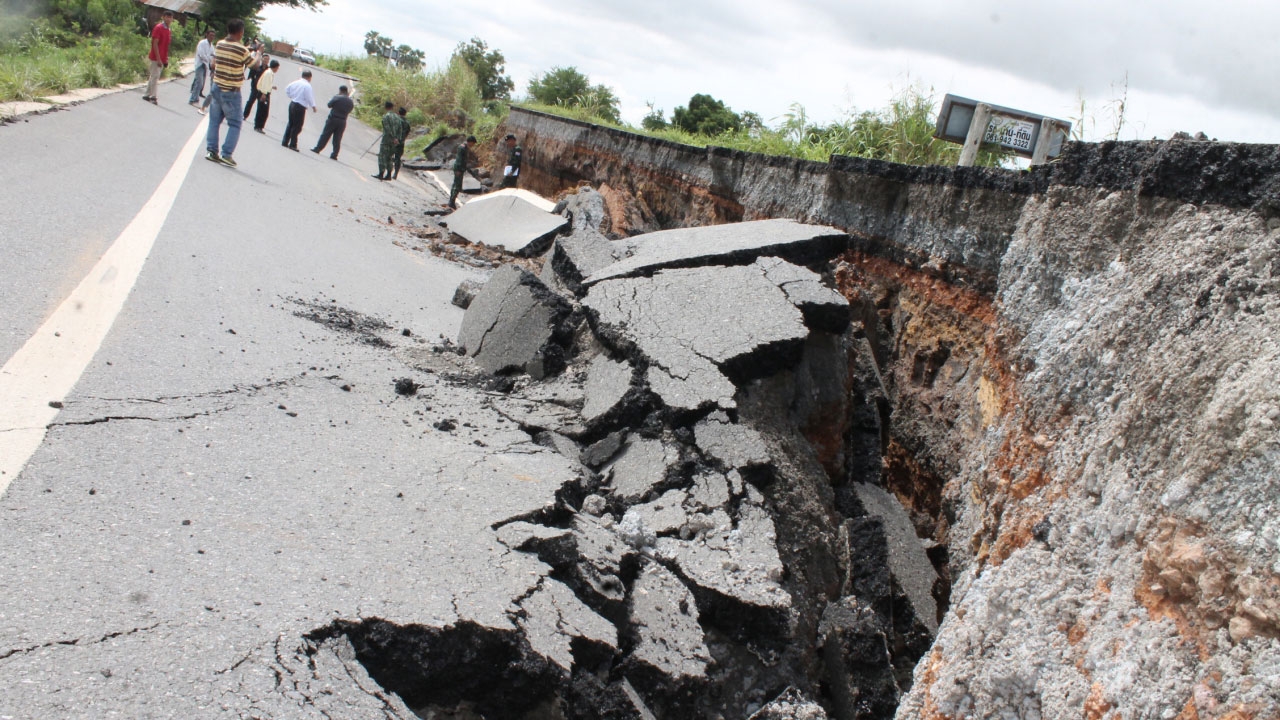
{"x": 301, "y": 97}
{"x": 255, "y": 74}
{"x": 461, "y": 163}
{"x": 158, "y": 58}
{"x": 266, "y": 85}
{"x": 511, "y": 173}
{"x": 404, "y": 135}
{"x": 390, "y": 138}
{"x": 339, "y": 108}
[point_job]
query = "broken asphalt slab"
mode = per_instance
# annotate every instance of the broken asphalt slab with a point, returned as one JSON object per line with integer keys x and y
{"x": 516, "y": 324}
{"x": 699, "y": 328}
{"x": 509, "y": 222}
{"x": 731, "y": 244}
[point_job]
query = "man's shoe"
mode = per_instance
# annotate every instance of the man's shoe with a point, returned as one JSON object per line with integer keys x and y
{"x": 260, "y": 131}
{"x": 152, "y": 101}
{"x": 376, "y": 177}
{"x": 147, "y": 98}
{"x": 194, "y": 103}
{"x": 333, "y": 157}
{"x": 293, "y": 148}
{"x": 202, "y": 111}
{"x": 226, "y": 160}
{"x": 212, "y": 156}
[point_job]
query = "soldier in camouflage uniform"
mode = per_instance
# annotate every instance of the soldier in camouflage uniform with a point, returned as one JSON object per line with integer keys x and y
{"x": 390, "y": 138}
{"x": 461, "y": 164}
{"x": 404, "y": 136}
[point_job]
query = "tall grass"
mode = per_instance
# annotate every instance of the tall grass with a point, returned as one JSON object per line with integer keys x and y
{"x": 443, "y": 101}
{"x": 33, "y": 64}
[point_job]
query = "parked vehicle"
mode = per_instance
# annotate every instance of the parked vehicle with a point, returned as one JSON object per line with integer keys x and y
{"x": 304, "y": 56}
{"x": 281, "y": 49}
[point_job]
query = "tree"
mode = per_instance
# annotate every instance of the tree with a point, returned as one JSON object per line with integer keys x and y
{"x": 488, "y": 65}
{"x": 377, "y": 44}
{"x": 567, "y": 87}
{"x": 559, "y": 86}
{"x": 705, "y": 116}
{"x": 655, "y": 120}
{"x": 409, "y": 58}
{"x": 216, "y": 13}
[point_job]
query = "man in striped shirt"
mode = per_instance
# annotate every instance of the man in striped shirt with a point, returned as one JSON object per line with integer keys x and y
{"x": 230, "y": 58}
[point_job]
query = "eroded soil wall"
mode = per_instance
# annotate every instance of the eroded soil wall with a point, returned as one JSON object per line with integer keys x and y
{"x": 1079, "y": 365}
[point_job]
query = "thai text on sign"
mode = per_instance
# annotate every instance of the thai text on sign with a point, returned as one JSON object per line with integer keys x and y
{"x": 1011, "y": 133}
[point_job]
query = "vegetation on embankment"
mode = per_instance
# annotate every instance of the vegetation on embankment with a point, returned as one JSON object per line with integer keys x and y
{"x": 67, "y": 44}
{"x": 901, "y": 132}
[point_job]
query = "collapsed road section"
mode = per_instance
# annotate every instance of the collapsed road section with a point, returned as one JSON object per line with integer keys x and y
{"x": 713, "y": 556}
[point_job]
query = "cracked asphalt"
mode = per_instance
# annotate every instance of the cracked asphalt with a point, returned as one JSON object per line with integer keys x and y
{"x": 231, "y": 474}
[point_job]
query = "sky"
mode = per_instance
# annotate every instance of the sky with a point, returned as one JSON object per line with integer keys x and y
{"x": 1175, "y": 65}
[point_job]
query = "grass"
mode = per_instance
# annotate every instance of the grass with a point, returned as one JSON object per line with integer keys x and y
{"x": 33, "y": 65}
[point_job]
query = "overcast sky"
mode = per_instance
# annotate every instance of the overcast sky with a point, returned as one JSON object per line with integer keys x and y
{"x": 1189, "y": 65}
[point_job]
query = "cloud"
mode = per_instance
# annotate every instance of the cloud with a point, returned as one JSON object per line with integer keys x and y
{"x": 1188, "y": 66}
{"x": 1222, "y": 53}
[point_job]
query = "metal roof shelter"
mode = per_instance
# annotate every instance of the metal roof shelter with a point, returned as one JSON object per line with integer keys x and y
{"x": 184, "y": 7}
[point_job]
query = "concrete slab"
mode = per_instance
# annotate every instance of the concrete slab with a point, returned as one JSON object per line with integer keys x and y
{"x": 641, "y": 467}
{"x": 516, "y": 324}
{"x": 698, "y": 328}
{"x": 908, "y": 562}
{"x": 664, "y": 515}
{"x": 554, "y": 619}
{"x": 608, "y": 382}
{"x": 823, "y": 308}
{"x": 737, "y": 561}
{"x": 532, "y": 198}
{"x": 733, "y": 244}
{"x": 585, "y": 249}
{"x": 508, "y": 222}
{"x": 664, "y": 619}
{"x": 735, "y": 446}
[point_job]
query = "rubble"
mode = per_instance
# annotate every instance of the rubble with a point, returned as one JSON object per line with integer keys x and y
{"x": 669, "y": 536}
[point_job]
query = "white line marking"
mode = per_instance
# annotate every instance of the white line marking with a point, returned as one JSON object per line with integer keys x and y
{"x": 52, "y": 360}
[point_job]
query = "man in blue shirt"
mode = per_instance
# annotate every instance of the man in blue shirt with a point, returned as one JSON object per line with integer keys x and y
{"x": 301, "y": 97}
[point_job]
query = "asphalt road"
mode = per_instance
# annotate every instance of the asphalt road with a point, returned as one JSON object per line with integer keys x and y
{"x": 229, "y": 474}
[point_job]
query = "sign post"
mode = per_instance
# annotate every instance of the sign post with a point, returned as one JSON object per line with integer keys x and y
{"x": 973, "y": 123}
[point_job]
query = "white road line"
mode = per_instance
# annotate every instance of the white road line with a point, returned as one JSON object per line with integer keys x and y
{"x": 52, "y": 360}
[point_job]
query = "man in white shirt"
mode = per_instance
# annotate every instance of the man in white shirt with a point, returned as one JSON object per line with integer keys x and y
{"x": 204, "y": 61}
{"x": 301, "y": 97}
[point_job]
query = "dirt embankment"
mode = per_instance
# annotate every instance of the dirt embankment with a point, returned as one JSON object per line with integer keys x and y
{"x": 1075, "y": 369}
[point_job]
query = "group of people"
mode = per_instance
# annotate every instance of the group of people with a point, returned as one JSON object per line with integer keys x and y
{"x": 228, "y": 63}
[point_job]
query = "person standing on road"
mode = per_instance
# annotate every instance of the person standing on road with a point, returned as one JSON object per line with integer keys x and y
{"x": 461, "y": 163}
{"x": 255, "y": 74}
{"x": 230, "y": 59}
{"x": 302, "y": 97}
{"x": 340, "y": 106}
{"x": 204, "y": 66}
{"x": 511, "y": 173}
{"x": 264, "y": 87}
{"x": 390, "y": 138}
{"x": 404, "y": 135}
{"x": 158, "y": 58}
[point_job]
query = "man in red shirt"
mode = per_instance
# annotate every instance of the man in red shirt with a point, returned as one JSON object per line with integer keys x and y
{"x": 159, "y": 55}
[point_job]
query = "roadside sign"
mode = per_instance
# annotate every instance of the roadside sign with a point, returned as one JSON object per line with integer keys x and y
{"x": 1015, "y": 130}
